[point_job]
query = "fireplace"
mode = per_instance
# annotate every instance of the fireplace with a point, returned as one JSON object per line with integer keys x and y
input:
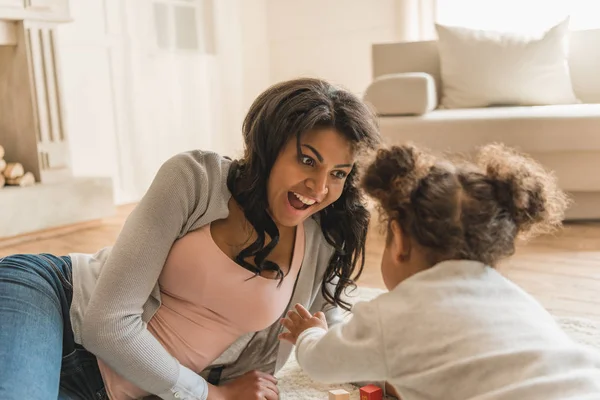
{"x": 32, "y": 126}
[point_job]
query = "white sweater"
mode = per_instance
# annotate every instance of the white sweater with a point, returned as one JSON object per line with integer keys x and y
{"x": 456, "y": 331}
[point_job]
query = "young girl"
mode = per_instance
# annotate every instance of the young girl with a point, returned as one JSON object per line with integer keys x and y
{"x": 451, "y": 326}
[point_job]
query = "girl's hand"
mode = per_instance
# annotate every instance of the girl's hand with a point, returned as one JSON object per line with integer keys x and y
{"x": 299, "y": 321}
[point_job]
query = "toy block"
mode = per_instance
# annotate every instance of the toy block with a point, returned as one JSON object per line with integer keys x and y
{"x": 371, "y": 392}
{"x": 339, "y": 394}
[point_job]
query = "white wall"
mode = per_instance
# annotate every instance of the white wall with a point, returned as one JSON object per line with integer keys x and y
{"x": 170, "y": 99}
{"x": 243, "y": 64}
{"x": 84, "y": 49}
{"x": 255, "y": 49}
{"x": 330, "y": 39}
{"x": 128, "y": 109}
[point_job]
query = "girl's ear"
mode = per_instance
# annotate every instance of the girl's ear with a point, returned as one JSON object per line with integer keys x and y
{"x": 400, "y": 242}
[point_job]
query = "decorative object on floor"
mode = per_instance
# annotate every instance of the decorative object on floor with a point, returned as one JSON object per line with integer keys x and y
{"x": 294, "y": 384}
{"x": 14, "y": 170}
{"x": 27, "y": 179}
{"x": 14, "y": 174}
{"x": 339, "y": 394}
{"x": 371, "y": 392}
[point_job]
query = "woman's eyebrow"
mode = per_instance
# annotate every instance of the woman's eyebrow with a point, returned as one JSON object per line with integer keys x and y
{"x": 320, "y": 157}
{"x": 316, "y": 153}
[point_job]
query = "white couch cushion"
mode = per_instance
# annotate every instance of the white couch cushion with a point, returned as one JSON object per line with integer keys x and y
{"x": 410, "y": 93}
{"x": 565, "y": 139}
{"x": 534, "y": 129}
{"x": 485, "y": 68}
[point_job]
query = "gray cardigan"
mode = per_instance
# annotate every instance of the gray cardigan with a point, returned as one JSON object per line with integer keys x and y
{"x": 116, "y": 290}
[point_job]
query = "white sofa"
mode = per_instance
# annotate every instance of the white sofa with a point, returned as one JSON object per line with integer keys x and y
{"x": 406, "y": 90}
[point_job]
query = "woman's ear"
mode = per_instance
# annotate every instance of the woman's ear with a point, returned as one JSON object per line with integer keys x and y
{"x": 400, "y": 242}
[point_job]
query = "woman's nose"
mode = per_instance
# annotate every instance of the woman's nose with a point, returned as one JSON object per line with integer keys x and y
{"x": 318, "y": 185}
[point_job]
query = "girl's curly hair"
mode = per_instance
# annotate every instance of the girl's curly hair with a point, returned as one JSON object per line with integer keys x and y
{"x": 464, "y": 210}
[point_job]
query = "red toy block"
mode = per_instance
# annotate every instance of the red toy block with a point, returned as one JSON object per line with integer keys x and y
{"x": 371, "y": 392}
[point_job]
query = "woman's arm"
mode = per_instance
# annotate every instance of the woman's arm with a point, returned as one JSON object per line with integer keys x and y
{"x": 113, "y": 328}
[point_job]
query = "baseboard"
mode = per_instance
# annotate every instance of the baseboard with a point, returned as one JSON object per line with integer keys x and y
{"x": 48, "y": 233}
{"x": 585, "y": 206}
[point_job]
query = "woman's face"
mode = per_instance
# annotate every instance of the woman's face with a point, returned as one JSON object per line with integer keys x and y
{"x": 301, "y": 185}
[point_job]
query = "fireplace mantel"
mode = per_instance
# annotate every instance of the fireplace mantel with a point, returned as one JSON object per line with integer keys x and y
{"x": 35, "y": 10}
{"x": 31, "y": 103}
{"x": 33, "y": 127}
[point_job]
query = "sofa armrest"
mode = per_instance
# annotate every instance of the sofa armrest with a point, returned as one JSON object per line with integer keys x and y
{"x": 411, "y": 93}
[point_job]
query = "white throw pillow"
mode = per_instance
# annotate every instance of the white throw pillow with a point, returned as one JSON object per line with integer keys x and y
{"x": 486, "y": 68}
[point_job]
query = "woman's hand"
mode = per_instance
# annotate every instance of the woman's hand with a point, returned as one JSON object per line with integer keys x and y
{"x": 253, "y": 385}
{"x": 299, "y": 321}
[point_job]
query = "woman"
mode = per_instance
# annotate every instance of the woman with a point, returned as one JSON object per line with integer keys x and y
{"x": 204, "y": 267}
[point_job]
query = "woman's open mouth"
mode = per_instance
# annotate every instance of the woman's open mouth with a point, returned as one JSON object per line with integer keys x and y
{"x": 299, "y": 202}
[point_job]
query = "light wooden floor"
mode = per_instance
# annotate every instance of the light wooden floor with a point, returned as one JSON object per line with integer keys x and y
{"x": 562, "y": 271}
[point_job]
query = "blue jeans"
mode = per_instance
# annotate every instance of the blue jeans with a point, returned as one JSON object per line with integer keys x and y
{"x": 39, "y": 358}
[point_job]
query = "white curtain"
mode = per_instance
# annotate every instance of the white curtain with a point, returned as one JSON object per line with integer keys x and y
{"x": 180, "y": 94}
{"x": 416, "y": 20}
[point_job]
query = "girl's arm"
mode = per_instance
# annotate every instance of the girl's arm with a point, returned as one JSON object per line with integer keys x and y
{"x": 333, "y": 314}
{"x": 347, "y": 352}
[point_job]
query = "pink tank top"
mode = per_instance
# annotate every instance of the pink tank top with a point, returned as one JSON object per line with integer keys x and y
{"x": 208, "y": 301}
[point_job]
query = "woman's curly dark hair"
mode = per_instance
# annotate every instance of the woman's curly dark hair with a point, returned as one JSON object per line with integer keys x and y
{"x": 284, "y": 112}
{"x": 461, "y": 210}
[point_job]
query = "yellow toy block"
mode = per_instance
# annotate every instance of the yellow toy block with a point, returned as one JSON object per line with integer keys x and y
{"x": 339, "y": 394}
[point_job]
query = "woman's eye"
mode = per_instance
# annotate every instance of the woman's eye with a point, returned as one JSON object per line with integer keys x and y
{"x": 306, "y": 160}
{"x": 340, "y": 174}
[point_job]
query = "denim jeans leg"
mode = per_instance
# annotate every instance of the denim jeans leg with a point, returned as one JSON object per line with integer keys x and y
{"x": 31, "y": 328}
{"x": 39, "y": 358}
{"x": 80, "y": 377}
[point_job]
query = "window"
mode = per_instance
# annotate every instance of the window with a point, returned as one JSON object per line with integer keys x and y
{"x": 518, "y": 15}
{"x": 183, "y": 25}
